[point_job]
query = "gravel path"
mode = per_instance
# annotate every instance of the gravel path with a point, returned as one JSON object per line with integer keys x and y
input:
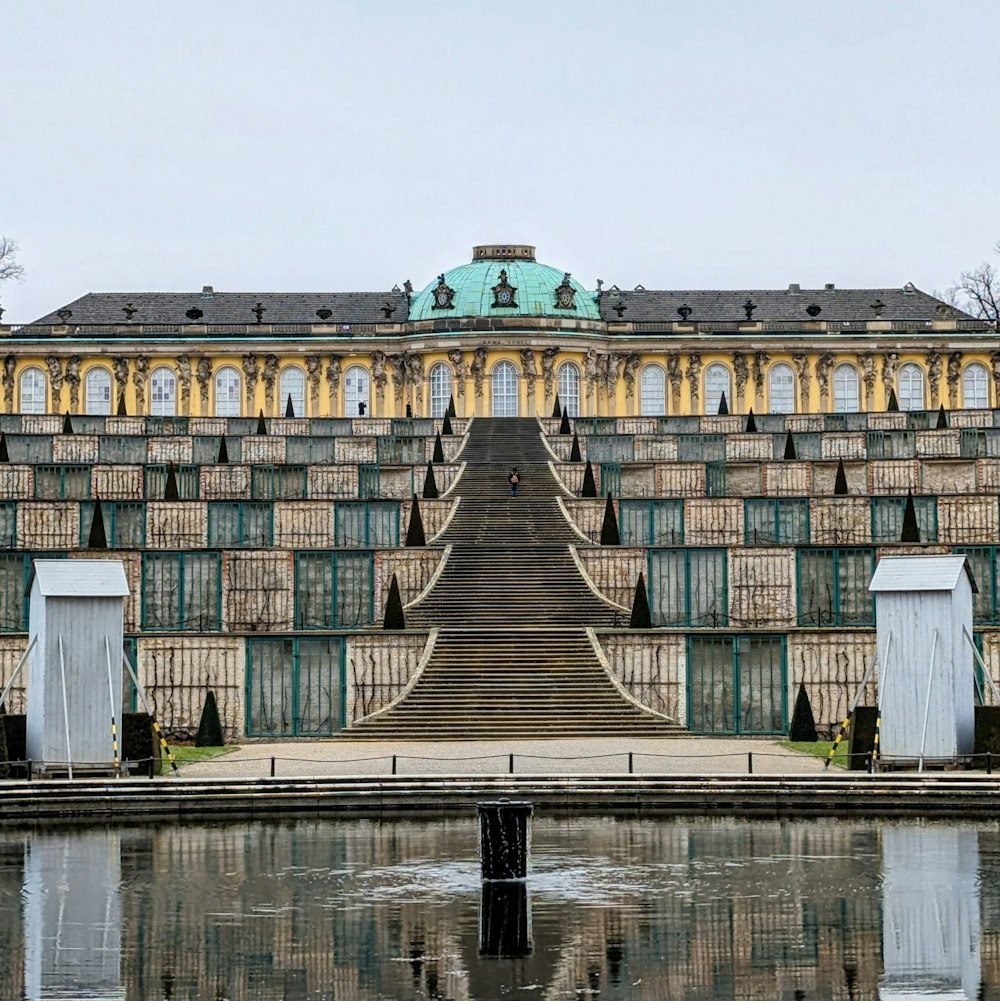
{"x": 653, "y": 756}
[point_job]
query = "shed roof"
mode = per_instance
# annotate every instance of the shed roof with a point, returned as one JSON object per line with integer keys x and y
{"x": 920, "y": 573}
{"x": 80, "y": 578}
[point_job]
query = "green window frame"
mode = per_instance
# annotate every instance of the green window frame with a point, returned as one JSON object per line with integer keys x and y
{"x": 366, "y": 524}
{"x": 808, "y": 444}
{"x": 393, "y": 450}
{"x": 832, "y": 586}
{"x": 701, "y": 448}
{"x": 15, "y": 579}
{"x": 983, "y": 562}
{"x": 186, "y": 475}
{"x": 8, "y": 525}
{"x": 369, "y": 480}
{"x": 887, "y": 518}
{"x": 688, "y": 587}
{"x": 334, "y": 590}
{"x": 656, "y": 522}
{"x": 62, "y": 481}
{"x": 776, "y": 521}
{"x": 279, "y": 482}
{"x": 182, "y": 592}
{"x": 891, "y": 445}
{"x": 295, "y": 686}
{"x": 124, "y": 523}
{"x": 235, "y": 524}
{"x": 611, "y": 448}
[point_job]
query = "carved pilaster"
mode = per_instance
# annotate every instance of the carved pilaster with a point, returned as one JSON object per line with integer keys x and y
{"x": 54, "y": 366}
{"x": 270, "y": 377}
{"x": 184, "y": 378}
{"x": 73, "y": 381}
{"x": 140, "y": 373}
{"x": 478, "y": 369}
{"x": 9, "y": 364}
{"x": 313, "y": 372}
{"x": 934, "y": 366}
{"x": 760, "y": 360}
{"x": 889, "y": 361}
{"x": 379, "y": 377}
{"x": 203, "y": 373}
{"x": 398, "y": 365}
{"x": 530, "y": 375}
{"x": 415, "y": 379}
{"x": 548, "y": 371}
{"x": 953, "y": 377}
{"x": 613, "y": 364}
{"x": 676, "y": 377}
{"x": 457, "y": 360}
{"x": 867, "y": 363}
{"x": 632, "y": 363}
{"x": 801, "y": 363}
{"x": 251, "y": 372}
{"x": 995, "y": 363}
{"x": 693, "y": 373}
{"x": 333, "y": 372}
{"x": 824, "y": 366}
{"x": 590, "y": 378}
{"x": 120, "y": 367}
{"x": 742, "y": 373}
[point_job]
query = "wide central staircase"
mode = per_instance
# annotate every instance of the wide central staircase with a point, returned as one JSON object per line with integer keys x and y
{"x": 512, "y": 659}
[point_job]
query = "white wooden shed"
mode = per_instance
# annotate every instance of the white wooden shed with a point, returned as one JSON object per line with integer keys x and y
{"x": 76, "y": 623}
{"x": 923, "y": 614}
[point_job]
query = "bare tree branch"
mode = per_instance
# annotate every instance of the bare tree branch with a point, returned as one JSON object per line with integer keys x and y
{"x": 9, "y": 267}
{"x": 978, "y": 291}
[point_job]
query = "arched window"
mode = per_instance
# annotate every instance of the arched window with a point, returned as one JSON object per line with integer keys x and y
{"x": 440, "y": 379}
{"x": 569, "y": 388}
{"x": 33, "y": 391}
{"x": 228, "y": 388}
{"x": 357, "y": 390}
{"x": 162, "y": 392}
{"x": 911, "y": 387}
{"x": 717, "y": 383}
{"x": 976, "y": 387}
{"x": 504, "y": 381}
{"x": 652, "y": 392}
{"x": 845, "y": 389}
{"x": 781, "y": 389}
{"x": 97, "y": 391}
{"x": 292, "y": 386}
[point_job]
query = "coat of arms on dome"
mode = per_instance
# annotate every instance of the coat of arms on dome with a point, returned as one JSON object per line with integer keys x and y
{"x": 443, "y": 294}
{"x": 565, "y": 293}
{"x": 504, "y": 294}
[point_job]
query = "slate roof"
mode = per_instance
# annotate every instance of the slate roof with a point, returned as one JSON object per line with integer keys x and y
{"x": 232, "y": 307}
{"x": 724, "y": 306}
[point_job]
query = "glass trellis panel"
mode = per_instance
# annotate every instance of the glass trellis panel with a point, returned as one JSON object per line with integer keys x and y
{"x": 205, "y": 448}
{"x": 8, "y": 525}
{"x": 687, "y": 587}
{"x": 234, "y": 524}
{"x": 181, "y": 591}
{"x": 611, "y": 448}
{"x": 611, "y": 479}
{"x": 845, "y": 389}
{"x": 711, "y": 684}
{"x": 983, "y": 562}
{"x": 357, "y": 390}
{"x": 887, "y": 518}
{"x": 366, "y": 524}
{"x": 776, "y": 520}
{"x": 717, "y": 382}
{"x": 187, "y": 477}
{"x": 228, "y": 392}
{"x": 369, "y": 480}
{"x": 701, "y": 448}
{"x": 504, "y": 390}
{"x": 652, "y": 391}
{"x": 62, "y": 482}
{"x": 832, "y": 587}
{"x": 122, "y": 449}
{"x": 124, "y": 523}
{"x": 911, "y": 387}
{"x": 891, "y": 444}
{"x": 781, "y": 389}
{"x": 310, "y": 449}
{"x": 292, "y": 385}
{"x": 171, "y": 425}
{"x": 33, "y": 391}
{"x": 392, "y": 450}
{"x": 97, "y": 391}
{"x": 808, "y": 444}
{"x": 976, "y": 387}
{"x": 440, "y": 383}
{"x": 760, "y": 667}
{"x": 334, "y": 590}
{"x": 656, "y": 522}
{"x": 286, "y": 482}
{"x": 569, "y": 388}
{"x": 294, "y": 686}
{"x": 330, "y": 427}
{"x": 595, "y": 425}
{"x": 162, "y": 392}
{"x": 410, "y": 427}
{"x": 715, "y": 479}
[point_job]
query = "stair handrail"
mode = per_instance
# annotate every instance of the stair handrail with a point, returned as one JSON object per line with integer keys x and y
{"x": 555, "y": 475}
{"x": 589, "y": 581}
{"x": 572, "y": 524}
{"x": 454, "y": 482}
{"x": 622, "y": 690}
{"x": 447, "y": 521}
{"x": 411, "y": 683}
{"x": 428, "y": 587}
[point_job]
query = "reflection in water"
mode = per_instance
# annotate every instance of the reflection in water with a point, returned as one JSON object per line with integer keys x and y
{"x": 687, "y": 910}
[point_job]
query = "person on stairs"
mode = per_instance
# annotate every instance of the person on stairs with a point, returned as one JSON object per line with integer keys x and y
{"x": 513, "y": 479}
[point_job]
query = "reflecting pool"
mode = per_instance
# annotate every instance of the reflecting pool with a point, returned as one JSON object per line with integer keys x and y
{"x": 638, "y": 909}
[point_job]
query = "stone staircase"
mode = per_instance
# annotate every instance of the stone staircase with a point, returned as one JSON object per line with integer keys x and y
{"x": 512, "y": 658}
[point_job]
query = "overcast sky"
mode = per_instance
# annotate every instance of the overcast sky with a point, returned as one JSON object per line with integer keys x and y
{"x": 331, "y": 146}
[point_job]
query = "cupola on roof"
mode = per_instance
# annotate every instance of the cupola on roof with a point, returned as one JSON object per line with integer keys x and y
{"x": 504, "y": 279}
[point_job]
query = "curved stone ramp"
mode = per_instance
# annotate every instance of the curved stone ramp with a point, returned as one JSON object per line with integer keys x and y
{"x": 512, "y": 659}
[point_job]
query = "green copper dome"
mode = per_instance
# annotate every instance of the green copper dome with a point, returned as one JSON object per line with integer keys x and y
{"x": 504, "y": 280}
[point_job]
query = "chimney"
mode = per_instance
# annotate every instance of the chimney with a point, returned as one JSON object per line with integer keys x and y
{"x": 793, "y": 288}
{"x": 829, "y": 286}
{"x": 207, "y": 292}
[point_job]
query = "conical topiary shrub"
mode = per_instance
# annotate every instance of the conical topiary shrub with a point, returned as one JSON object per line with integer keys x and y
{"x": 751, "y": 427}
{"x": 640, "y": 607}
{"x": 840, "y": 480}
{"x": 170, "y": 491}
{"x": 556, "y": 407}
{"x": 790, "y": 452}
{"x": 723, "y": 405}
{"x": 893, "y": 403}
{"x": 223, "y": 457}
{"x": 97, "y": 539}
{"x": 394, "y": 618}
{"x": 122, "y": 410}
{"x": 210, "y": 728}
{"x": 4, "y": 454}
{"x": 564, "y": 427}
{"x": 289, "y": 408}
{"x": 609, "y": 527}
{"x": 67, "y": 427}
{"x": 942, "y": 418}
{"x": 446, "y": 424}
{"x": 911, "y": 530}
{"x": 450, "y": 411}
{"x": 589, "y": 486}
{"x": 430, "y": 484}
{"x": 438, "y": 454}
{"x": 574, "y": 452}
{"x": 415, "y": 530}
{"x": 803, "y": 728}
{"x": 261, "y": 426}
